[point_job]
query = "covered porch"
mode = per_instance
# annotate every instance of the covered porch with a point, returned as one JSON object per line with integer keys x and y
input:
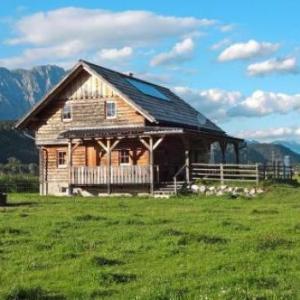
{"x": 157, "y": 154}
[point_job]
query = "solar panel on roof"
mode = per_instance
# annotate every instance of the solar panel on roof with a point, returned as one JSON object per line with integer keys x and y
{"x": 147, "y": 89}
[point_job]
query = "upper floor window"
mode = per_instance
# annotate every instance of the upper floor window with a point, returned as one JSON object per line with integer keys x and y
{"x": 124, "y": 157}
{"x": 61, "y": 158}
{"x": 67, "y": 112}
{"x": 111, "y": 110}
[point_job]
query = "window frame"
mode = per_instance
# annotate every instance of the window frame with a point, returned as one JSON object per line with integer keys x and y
{"x": 58, "y": 164}
{"x": 70, "y": 112}
{"x": 126, "y": 156}
{"x": 106, "y": 109}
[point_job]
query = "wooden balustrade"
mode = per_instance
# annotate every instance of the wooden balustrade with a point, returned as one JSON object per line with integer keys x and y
{"x": 239, "y": 172}
{"x": 118, "y": 175}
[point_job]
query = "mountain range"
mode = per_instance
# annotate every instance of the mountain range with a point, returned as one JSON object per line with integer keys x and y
{"x": 20, "y": 89}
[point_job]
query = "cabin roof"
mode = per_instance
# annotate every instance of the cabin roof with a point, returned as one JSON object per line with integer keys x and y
{"x": 172, "y": 109}
{"x": 156, "y": 103}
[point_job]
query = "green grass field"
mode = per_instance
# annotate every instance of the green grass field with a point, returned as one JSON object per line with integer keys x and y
{"x": 142, "y": 248}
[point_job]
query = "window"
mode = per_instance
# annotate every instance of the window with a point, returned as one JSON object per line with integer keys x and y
{"x": 124, "y": 157}
{"x": 111, "y": 110}
{"x": 148, "y": 89}
{"x": 61, "y": 159}
{"x": 67, "y": 112}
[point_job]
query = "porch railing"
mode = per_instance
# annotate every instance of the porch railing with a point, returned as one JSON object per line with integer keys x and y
{"x": 240, "y": 172}
{"x": 118, "y": 175}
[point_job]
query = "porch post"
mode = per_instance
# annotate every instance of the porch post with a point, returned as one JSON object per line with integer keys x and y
{"x": 186, "y": 144}
{"x": 151, "y": 165}
{"x": 70, "y": 167}
{"x": 223, "y": 146}
{"x": 108, "y": 166}
{"x": 237, "y": 153}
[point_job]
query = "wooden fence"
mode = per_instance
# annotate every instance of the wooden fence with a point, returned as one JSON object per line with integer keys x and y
{"x": 239, "y": 172}
{"x": 118, "y": 175}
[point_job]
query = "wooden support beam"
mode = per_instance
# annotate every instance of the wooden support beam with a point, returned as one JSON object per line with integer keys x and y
{"x": 151, "y": 160}
{"x": 108, "y": 147}
{"x": 145, "y": 143}
{"x": 158, "y": 142}
{"x": 70, "y": 166}
{"x": 104, "y": 147}
{"x": 237, "y": 153}
{"x": 223, "y": 146}
{"x": 75, "y": 146}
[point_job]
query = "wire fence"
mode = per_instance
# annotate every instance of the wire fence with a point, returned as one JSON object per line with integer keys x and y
{"x": 19, "y": 184}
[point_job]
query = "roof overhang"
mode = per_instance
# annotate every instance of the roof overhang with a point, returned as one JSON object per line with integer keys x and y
{"x": 118, "y": 132}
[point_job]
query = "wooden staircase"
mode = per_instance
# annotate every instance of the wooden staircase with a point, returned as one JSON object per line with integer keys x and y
{"x": 166, "y": 189}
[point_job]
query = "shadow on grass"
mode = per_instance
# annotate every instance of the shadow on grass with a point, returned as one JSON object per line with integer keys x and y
{"x": 33, "y": 293}
{"x": 17, "y": 204}
{"x": 103, "y": 261}
{"x": 118, "y": 278}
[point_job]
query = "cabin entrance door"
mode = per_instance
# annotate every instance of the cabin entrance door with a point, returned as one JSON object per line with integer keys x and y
{"x": 92, "y": 156}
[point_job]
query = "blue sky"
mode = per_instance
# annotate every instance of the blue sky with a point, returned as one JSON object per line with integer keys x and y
{"x": 235, "y": 62}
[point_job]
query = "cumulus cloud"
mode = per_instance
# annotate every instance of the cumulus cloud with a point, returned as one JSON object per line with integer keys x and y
{"x": 262, "y": 103}
{"x": 98, "y": 29}
{"x": 271, "y": 134}
{"x": 181, "y": 52}
{"x": 247, "y": 50}
{"x": 227, "y": 27}
{"x": 279, "y": 65}
{"x": 212, "y": 102}
{"x": 115, "y": 54}
{"x": 221, "y": 105}
{"x": 223, "y": 43}
{"x": 40, "y": 54}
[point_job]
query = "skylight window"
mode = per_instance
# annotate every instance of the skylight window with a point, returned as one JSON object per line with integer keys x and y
{"x": 147, "y": 89}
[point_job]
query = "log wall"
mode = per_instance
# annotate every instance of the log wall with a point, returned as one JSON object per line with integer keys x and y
{"x": 87, "y": 96}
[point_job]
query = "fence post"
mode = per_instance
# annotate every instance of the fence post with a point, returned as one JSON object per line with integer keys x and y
{"x": 257, "y": 173}
{"x": 222, "y": 173}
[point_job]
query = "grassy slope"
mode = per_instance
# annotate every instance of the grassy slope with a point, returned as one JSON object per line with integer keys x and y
{"x": 184, "y": 248}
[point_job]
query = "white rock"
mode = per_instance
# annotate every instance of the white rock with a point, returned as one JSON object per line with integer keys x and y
{"x": 202, "y": 188}
{"x": 212, "y": 188}
{"x": 259, "y": 191}
{"x": 220, "y": 193}
{"x": 209, "y": 193}
{"x": 252, "y": 191}
{"x": 223, "y": 187}
{"x": 195, "y": 188}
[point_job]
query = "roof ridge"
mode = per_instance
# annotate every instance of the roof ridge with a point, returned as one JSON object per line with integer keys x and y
{"x": 123, "y": 74}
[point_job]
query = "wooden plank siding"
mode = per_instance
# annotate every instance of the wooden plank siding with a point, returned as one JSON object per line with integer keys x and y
{"x": 88, "y": 109}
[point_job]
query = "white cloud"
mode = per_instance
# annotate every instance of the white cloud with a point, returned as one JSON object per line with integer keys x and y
{"x": 280, "y": 66}
{"x": 247, "y": 50}
{"x": 271, "y": 134}
{"x": 227, "y": 27}
{"x": 115, "y": 54}
{"x": 181, "y": 52}
{"x": 98, "y": 29}
{"x": 221, "y": 105}
{"x": 223, "y": 43}
{"x": 262, "y": 103}
{"x": 39, "y": 55}
{"x": 212, "y": 102}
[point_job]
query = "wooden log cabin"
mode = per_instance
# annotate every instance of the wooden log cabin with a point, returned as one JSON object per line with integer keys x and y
{"x": 101, "y": 131}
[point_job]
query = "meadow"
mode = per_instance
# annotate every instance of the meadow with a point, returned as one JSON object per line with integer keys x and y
{"x": 186, "y": 247}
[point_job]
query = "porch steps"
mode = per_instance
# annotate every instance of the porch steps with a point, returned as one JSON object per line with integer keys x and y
{"x": 167, "y": 188}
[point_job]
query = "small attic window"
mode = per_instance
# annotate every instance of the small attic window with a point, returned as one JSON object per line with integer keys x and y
{"x": 147, "y": 89}
{"x": 67, "y": 112}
